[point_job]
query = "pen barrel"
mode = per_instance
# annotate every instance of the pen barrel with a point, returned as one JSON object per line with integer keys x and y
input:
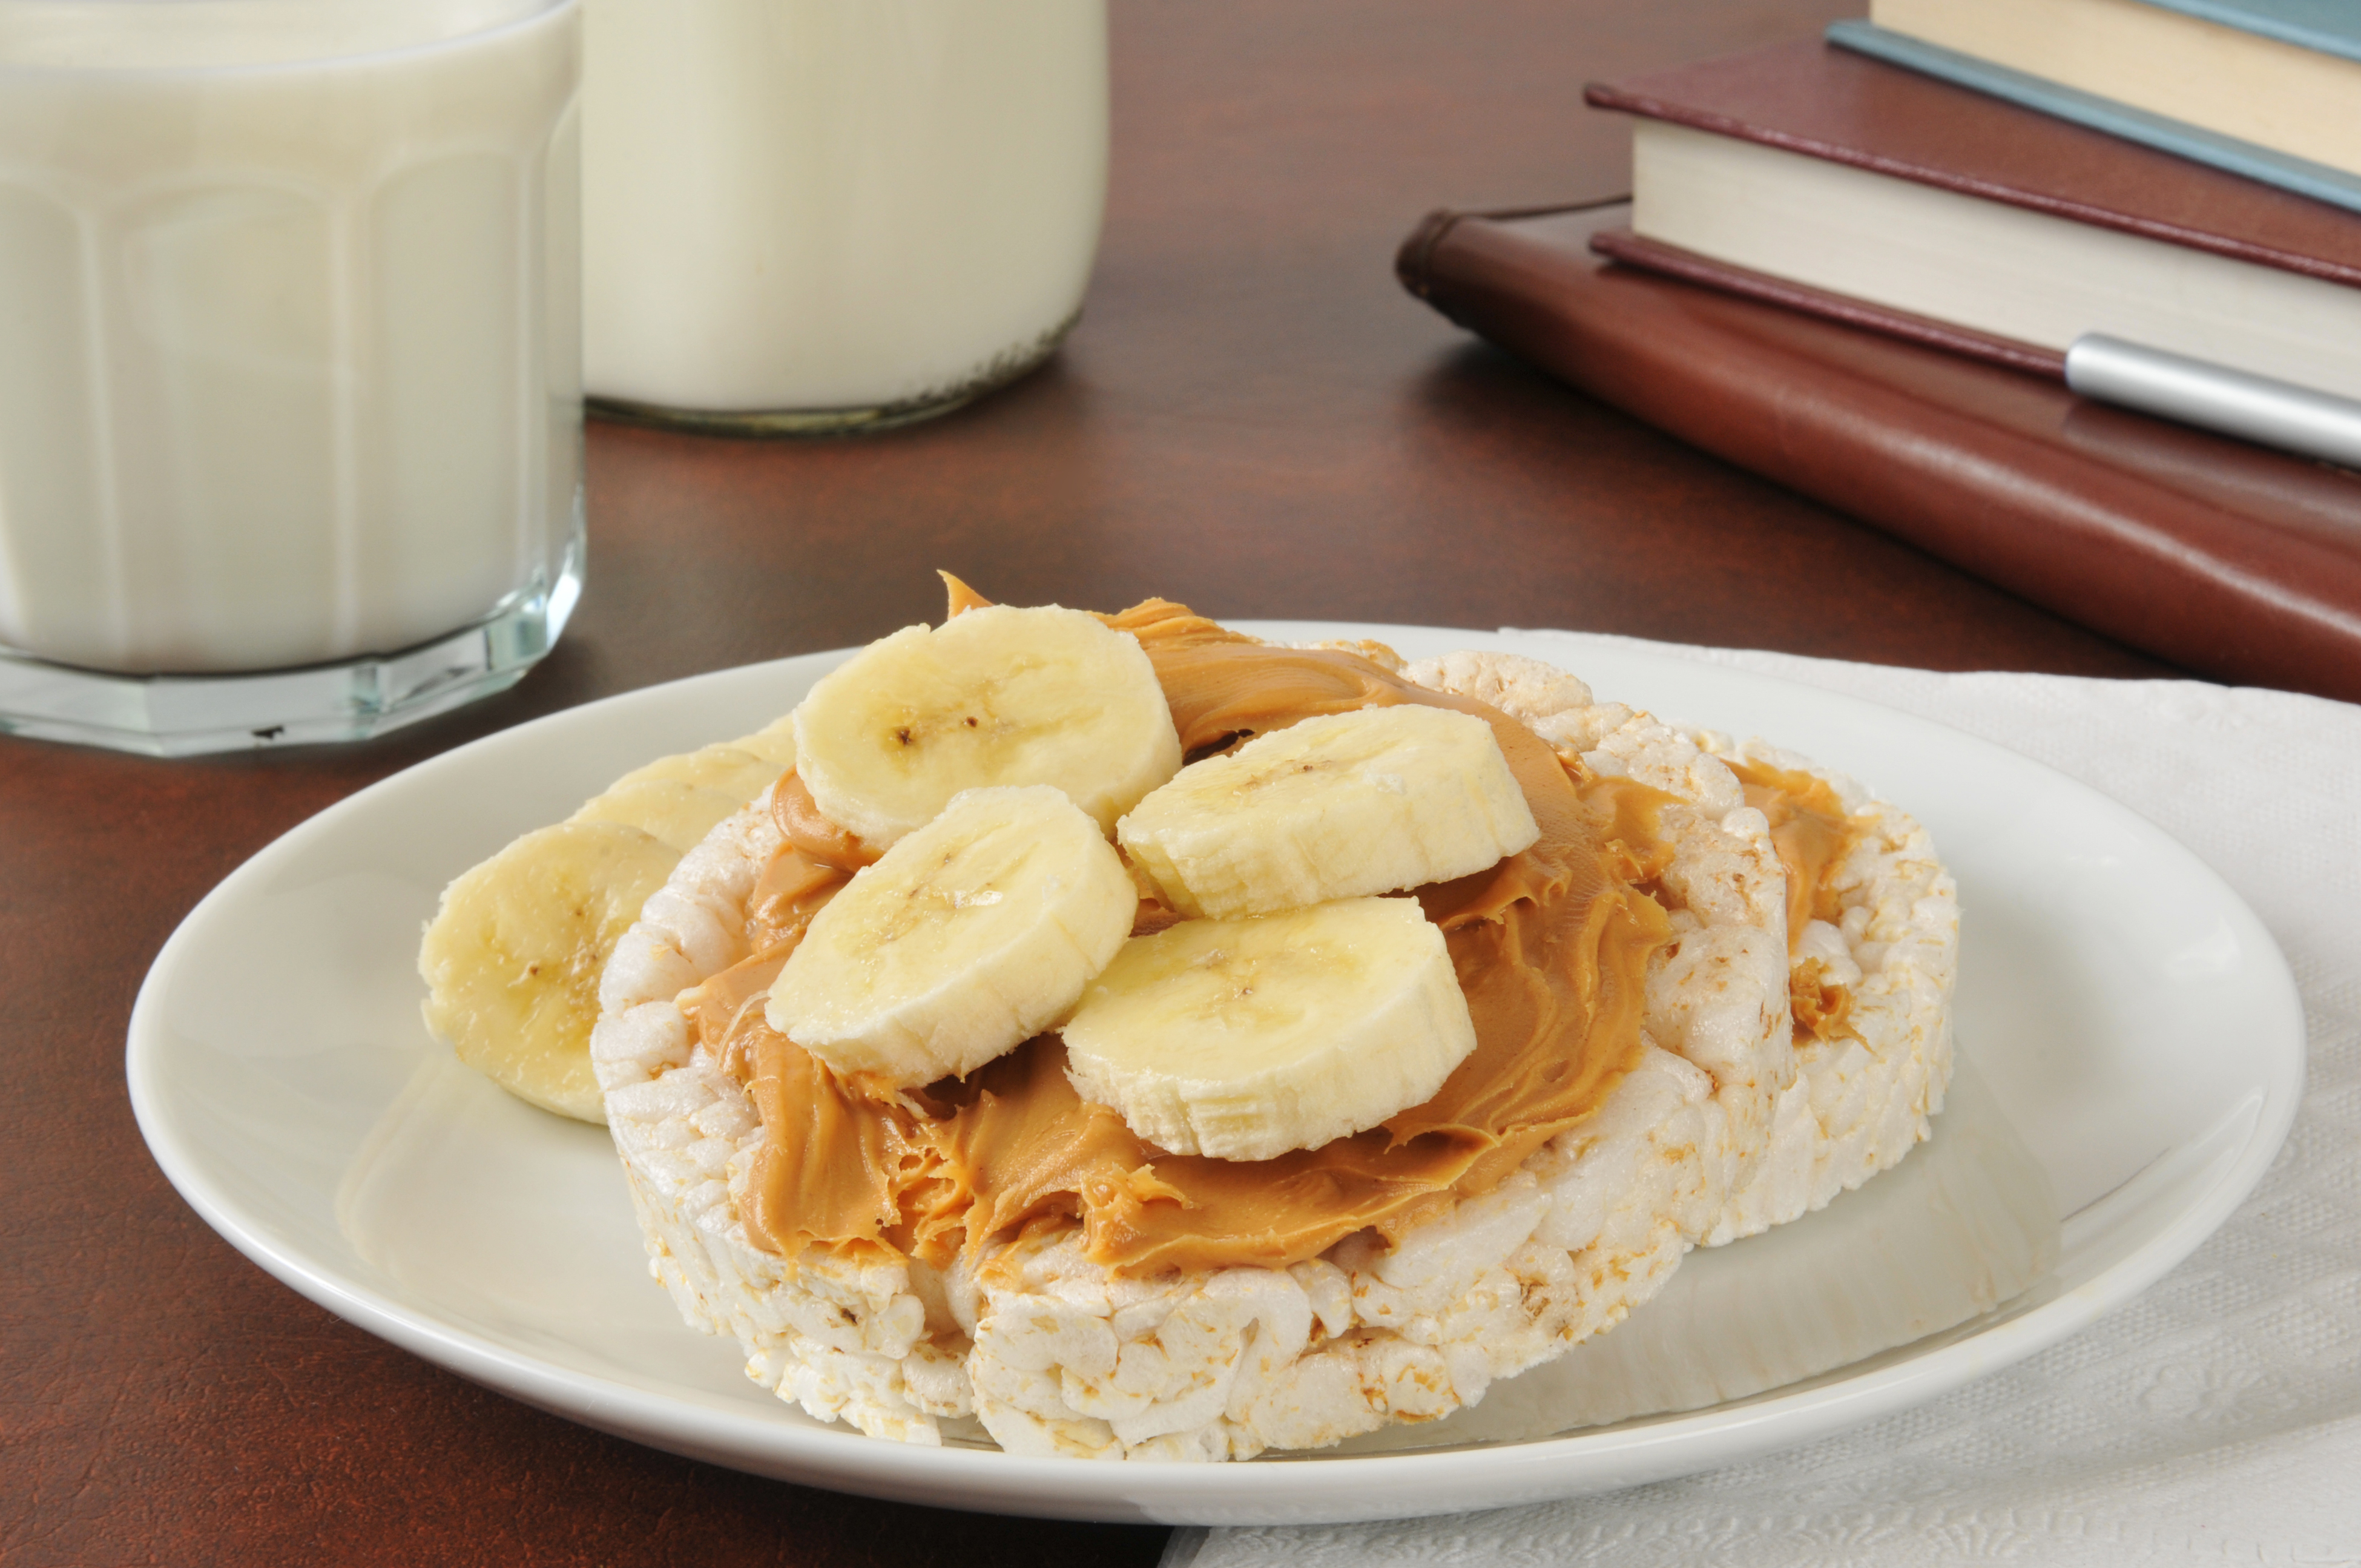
{"x": 2194, "y": 391}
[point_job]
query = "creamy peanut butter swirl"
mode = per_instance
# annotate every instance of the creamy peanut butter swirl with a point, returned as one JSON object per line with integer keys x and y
{"x": 1812, "y": 833}
{"x": 1552, "y": 948}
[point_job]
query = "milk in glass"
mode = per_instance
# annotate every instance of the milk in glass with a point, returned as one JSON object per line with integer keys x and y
{"x": 289, "y": 326}
{"x": 835, "y": 206}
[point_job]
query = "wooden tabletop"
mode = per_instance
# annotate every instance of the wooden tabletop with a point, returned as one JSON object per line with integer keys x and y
{"x": 1252, "y": 418}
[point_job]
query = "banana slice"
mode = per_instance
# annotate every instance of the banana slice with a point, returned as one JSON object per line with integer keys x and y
{"x": 1244, "y": 1039}
{"x": 965, "y": 939}
{"x": 511, "y": 960}
{"x": 1340, "y": 806}
{"x": 774, "y": 743}
{"x": 727, "y": 768}
{"x": 679, "y": 798}
{"x": 998, "y": 696}
{"x": 679, "y": 812}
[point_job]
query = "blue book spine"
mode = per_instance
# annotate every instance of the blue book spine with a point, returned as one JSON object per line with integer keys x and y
{"x": 2321, "y": 181}
{"x": 2331, "y": 26}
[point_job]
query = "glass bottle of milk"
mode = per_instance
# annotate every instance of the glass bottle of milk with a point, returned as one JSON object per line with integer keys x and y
{"x": 829, "y": 214}
{"x": 290, "y": 362}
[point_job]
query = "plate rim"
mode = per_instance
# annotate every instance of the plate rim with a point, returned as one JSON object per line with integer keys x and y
{"x": 1282, "y": 1489}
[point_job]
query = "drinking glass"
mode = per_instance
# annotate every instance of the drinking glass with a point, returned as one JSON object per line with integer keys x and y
{"x": 290, "y": 363}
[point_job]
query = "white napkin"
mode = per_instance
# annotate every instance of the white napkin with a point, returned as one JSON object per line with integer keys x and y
{"x": 2216, "y": 1416}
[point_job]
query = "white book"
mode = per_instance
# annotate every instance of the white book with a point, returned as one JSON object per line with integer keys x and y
{"x": 1994, "y": 266}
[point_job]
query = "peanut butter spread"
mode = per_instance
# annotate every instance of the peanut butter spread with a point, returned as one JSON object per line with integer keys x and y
{"x": 1812, "y": 834}
{"x": 1551, "y": 947}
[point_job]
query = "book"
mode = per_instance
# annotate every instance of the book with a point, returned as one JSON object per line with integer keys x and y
{"x": 1619, "y": 244}
{"x": 2262, "y": 88}
{"x": 2235, "y": 561}
{"x": 2312, "y": 425}
{"x": 1850, "y": 177}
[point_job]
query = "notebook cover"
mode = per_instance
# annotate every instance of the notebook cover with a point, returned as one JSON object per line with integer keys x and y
{"x": 2321, "y": 181}
{"x": 1829, "y": 103}
{"x": 2236, "y": 561}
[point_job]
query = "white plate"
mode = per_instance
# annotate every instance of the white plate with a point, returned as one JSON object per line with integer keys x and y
{"x": 2130, "y": 1014}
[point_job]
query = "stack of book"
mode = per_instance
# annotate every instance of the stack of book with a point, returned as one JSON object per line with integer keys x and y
{"x": 1871, "y": 269}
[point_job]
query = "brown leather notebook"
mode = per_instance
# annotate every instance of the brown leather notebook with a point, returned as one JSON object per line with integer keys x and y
{"x": 1826, "y": 103}
{"x": 2233, "y": 561}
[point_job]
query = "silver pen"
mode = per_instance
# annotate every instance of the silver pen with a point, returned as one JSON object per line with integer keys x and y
{"x": 2213, "y": 396}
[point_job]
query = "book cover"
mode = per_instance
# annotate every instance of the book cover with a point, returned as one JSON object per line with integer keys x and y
{"x": 2252, "y": 160}
{"x": 1825, "y": 103}
{"x": 2331, "y": 27}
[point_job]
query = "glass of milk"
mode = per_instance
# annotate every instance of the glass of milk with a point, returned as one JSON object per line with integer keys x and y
{"x": 290, "y": 363}
{"x": 813, "y": 215}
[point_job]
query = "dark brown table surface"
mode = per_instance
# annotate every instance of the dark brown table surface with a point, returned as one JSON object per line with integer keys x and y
{"x": 1252, "y": 418}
